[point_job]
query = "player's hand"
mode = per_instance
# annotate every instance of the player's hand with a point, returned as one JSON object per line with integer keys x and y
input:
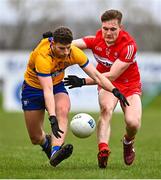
{"x": 120, "y": 96}
{"x": 55, "y": 127}
{"x": 74, "y": 81}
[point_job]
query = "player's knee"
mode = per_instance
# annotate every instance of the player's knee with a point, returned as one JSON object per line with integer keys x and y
{"x": 63, "y": 111}
{"x": 106, "y": 110}
{"x": 133, "y": 123}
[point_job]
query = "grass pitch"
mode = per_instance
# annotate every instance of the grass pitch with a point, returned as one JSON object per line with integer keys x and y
{"x": 20, "y": 159}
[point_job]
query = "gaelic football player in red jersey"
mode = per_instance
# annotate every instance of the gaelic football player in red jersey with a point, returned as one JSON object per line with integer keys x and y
{"x": 115, "y": 51}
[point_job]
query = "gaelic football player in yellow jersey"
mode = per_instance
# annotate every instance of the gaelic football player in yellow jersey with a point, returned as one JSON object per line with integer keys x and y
{"x": 43, "y": 89}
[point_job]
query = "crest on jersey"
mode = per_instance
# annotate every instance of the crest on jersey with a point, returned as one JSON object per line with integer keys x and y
{"x": 98, "y": 48}
{"x": 116, "y": 54}
{"x": 108, "y": 51}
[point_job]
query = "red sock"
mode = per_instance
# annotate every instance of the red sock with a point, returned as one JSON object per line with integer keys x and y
{"x": 128, "y": 138}
{"x": 102, "y": 146}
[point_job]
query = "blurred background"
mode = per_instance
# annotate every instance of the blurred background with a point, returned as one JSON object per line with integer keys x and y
{"x": 22, "y": 23}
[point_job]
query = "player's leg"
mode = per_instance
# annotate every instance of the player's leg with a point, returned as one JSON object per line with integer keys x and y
{"x": 62, "y": 105}
{"x": 107, "y": 102}
{"x": 34, "y": 123}
{"x": 133, "y": 115}
{"x": 34, "y": 109}
{"x": 60, "y": 151}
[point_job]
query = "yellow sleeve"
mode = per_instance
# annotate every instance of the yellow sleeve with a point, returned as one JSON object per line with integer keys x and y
{"x": 42, "y": 66}
{"x": 79, "y": 57}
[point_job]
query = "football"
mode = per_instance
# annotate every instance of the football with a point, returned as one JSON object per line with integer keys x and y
{"x": 82, "y": 125}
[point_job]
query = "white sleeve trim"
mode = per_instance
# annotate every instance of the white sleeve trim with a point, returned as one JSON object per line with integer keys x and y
{"x": 130, "y": 51}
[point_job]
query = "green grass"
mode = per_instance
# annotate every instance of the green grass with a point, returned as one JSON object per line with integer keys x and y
{"x": 20, "y": 159}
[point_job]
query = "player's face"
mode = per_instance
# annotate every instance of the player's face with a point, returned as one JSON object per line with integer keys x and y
{"x": 110, "y": 31}
{"x": 61, "y": 50}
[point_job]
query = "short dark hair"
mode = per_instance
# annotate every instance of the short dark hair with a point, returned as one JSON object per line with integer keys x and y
{"x": 63, "y": 35}
{"x": 111, "y": 14}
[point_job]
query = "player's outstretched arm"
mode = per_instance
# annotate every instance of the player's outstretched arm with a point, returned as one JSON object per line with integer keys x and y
{"x": 105, "y": 83}
{"x": 116, "y": 70}
{"x": 46, "y": 83}
{"x": 73, "y": 81}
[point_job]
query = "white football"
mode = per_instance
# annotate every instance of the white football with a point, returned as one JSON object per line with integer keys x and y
{"x": 82, "y": 125}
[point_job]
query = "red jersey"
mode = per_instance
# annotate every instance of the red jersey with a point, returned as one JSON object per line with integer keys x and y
{"x": 124, "y": 49}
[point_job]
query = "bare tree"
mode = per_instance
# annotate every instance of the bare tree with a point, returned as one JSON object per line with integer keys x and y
{"x": 33, "y": 17}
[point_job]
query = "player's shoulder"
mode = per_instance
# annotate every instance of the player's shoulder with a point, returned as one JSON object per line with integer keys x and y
{"x": 98, "y": 34}
{"x": 75, "y": 48}
{"x": 43, "y": 47}
{"x": 77, "y": 55}
{"x": 42, "y": 50}
{"x": 43, "y": 44}
{"x": 97, "y": 39}
{"x": 127, "y": 37}
{"x": 126, "y": 41}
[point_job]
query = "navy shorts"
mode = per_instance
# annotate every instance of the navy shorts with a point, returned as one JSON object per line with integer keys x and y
{"x": 33, "y": 98}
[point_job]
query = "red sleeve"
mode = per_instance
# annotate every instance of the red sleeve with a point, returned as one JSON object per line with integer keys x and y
{"x": 128, "y": 53}
{"x": 89, "y": 40}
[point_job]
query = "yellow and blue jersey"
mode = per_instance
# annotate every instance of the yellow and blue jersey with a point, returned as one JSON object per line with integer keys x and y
{"x": 43, "y": 63}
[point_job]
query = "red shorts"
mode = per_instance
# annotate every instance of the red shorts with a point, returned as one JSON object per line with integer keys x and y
{"x": 127, "y": 89}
